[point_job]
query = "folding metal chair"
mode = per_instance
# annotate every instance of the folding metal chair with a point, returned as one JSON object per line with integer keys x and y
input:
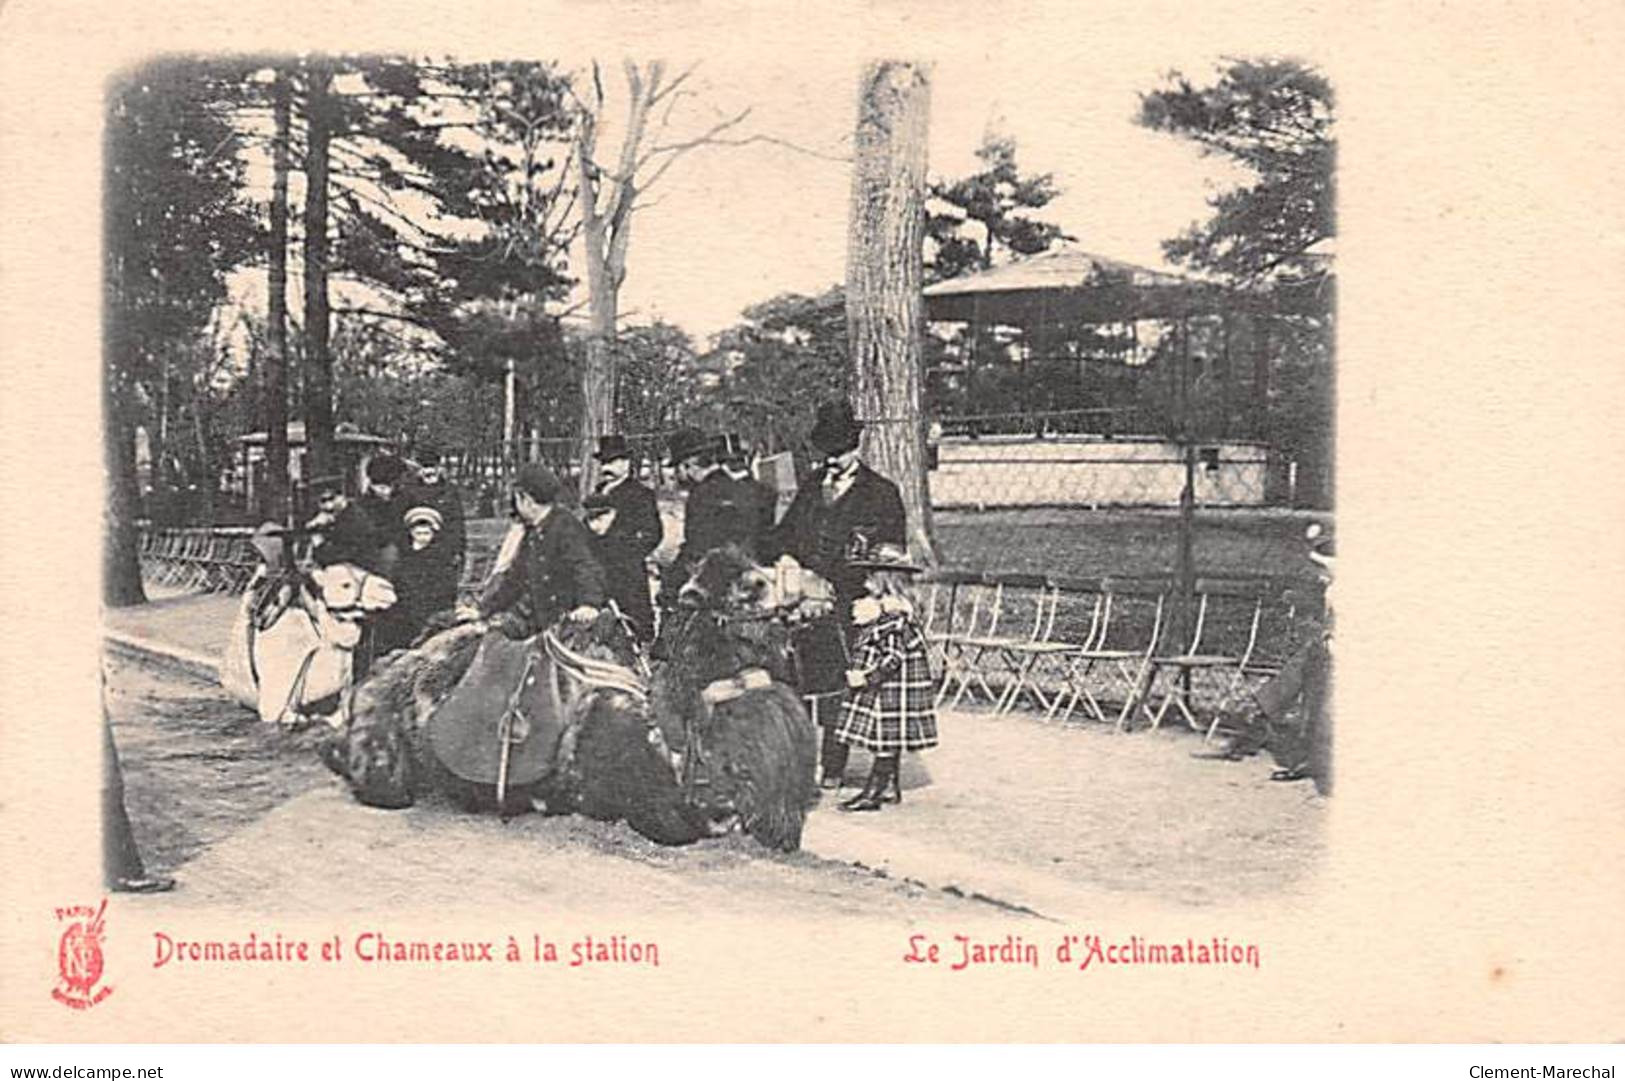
{"x": 1284, "y": 627}
{"x": 1122, "y": 651}
{"x": 1056, "y": 641}
{"x": 984, "y": 599}
{"x": 981, "y": 652}
{"x": 1205, "y": 654}
{"x": 950, "y": 611}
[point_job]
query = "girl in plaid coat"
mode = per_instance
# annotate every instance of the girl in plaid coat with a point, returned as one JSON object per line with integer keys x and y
{"x": 890, "y": 705}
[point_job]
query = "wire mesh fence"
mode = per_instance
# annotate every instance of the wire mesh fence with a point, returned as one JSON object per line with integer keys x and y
{"x": 1040, "y": 510}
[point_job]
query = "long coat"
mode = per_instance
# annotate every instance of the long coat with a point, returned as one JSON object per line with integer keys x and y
{"x": 817, "y": 531}
{"x": 553, "y": 573}
{"x": 719, "y": 511}
{"x": 764, "y": 503}
{"x": 625, "y": 547}
{"x": 388, "y": 518}
{"x": 895, "y": 710}
{"x": 425, "y": 583}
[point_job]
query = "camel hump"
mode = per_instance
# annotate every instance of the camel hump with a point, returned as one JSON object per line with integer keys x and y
{"x": 466, "y": 731}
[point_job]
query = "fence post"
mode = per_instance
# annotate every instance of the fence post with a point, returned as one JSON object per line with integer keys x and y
{"x": 1187, "y": 500}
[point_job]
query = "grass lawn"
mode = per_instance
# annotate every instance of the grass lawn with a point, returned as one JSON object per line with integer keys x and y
{"x": 1086, "y": 543}
{"x": 1130, "y": 543}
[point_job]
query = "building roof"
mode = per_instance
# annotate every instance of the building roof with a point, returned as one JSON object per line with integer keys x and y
{"x": 1068, "y": 284}
{"x": 1062, "y": 268}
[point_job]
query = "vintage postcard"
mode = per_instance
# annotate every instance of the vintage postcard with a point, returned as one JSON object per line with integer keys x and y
{"x": 732, "y": 523}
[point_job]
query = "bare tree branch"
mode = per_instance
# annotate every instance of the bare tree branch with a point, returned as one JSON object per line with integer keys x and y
{"x": 786, "y": 143}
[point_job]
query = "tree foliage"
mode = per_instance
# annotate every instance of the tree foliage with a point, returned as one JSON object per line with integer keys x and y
{"x": 656, "y": 378}
{"x": 1272, "y": 233}
{"x": 995, "y": 198}
{"x": 452, "y": 197}
{"x": 789, "y": 354}
{"x": 1274, "y": 117}
{"x": 175, "y": 225}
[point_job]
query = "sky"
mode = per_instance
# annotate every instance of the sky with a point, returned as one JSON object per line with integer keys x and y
{"x": 736, "y": 225}
{"x": 729, "y": 226}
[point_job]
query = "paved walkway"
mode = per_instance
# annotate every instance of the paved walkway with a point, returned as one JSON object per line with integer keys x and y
{"x": 1061, "y": 820}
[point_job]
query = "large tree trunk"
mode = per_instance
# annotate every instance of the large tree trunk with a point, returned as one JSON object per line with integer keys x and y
{"x": 121, "y": 538}
{"x": 274, "y": 400}
{"x": 885, "y": 315}
{"x": 318, "y": 363}
{"x": 606, "y": 228}
{"x": 121, "y": 499}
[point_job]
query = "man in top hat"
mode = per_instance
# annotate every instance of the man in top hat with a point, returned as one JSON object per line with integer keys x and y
{"x": 759, "y": 499}
{"x": 552, "y": 573}
{"x": 847, "y": 507}
{"x": 385, "y": 504}
{"x": 626, "y": 525}
{"x": 432, "y": 489}
{"x": 848, "y": 502}
{"x": 341, "y": 532}
{"x": 716, "y": 513}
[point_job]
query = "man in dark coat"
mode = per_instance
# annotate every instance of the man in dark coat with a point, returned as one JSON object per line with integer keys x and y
{"x": 847, "y": 500}
{"x": 385, "y": 504}
{"x": 847, "y": 505}
{"x": 552, "y": 573}
{"x": 762, "y": 500}
{"x": 626, "y": 525}
{"x": 341, "y": 531}
{"x": 432, "y": 489}
{"x": 717, "y": 512}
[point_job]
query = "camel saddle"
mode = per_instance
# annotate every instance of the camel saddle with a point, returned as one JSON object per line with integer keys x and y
{"x": 510, "y": 692}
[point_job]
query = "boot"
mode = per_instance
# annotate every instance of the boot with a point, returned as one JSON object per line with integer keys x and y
{"x": 832, "y": 757}
{"x": 880, "y": 779}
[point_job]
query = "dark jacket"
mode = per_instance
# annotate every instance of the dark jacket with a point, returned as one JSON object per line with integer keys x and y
{"x": 451, "y": 542}
{"x": 625, "y": 547}
{"x": 349, "y": 538}
{"x": 424, "y": 584}
{"x": 817, "y": 533}
{"x": 719, "y": 511}
{"x": 388, "y": 518}
{"x": 764, "y": 501}
{"x": 554, "y": 572}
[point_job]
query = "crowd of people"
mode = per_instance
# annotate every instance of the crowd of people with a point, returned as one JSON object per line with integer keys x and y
{"x": 863, "y": 669}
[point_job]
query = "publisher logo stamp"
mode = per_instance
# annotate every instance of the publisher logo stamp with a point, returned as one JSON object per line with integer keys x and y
{"x": 79, "y": 957}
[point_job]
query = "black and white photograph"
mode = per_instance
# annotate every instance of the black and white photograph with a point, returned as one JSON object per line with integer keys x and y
{"x": 602, "y": 514}
{"x": 464, "y": 502}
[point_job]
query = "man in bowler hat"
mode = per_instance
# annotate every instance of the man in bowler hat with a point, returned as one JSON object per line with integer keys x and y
{"x": 846, "y": 498}
{"x": 760, "y": 500}
{"x": 627, "y": 528}
{"x": 385, "y": 504}
{"x": 341, "y": 531}
{"x": 715, "y": 514}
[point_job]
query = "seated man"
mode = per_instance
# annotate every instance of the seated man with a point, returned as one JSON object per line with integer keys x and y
{"x": 545, "y": 569}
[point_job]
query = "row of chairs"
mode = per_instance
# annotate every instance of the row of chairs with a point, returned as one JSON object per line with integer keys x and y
{"x": 206, "y": 560}
{"x": 1107, "y": 645}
